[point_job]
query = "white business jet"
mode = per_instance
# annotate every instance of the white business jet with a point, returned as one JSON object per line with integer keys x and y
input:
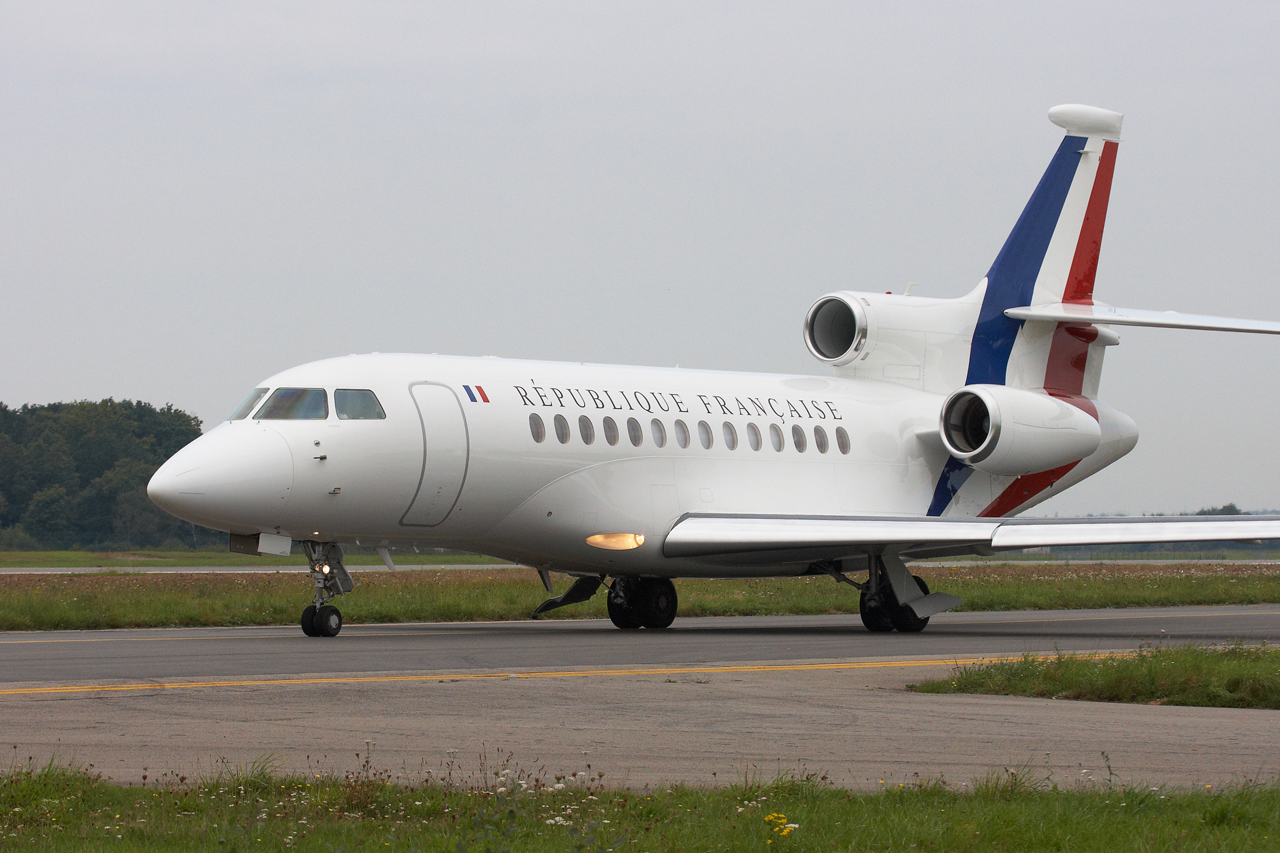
{"x": 941, "y": 419}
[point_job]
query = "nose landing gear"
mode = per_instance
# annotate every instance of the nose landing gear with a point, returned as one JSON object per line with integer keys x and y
{"x": 331, "y": 579}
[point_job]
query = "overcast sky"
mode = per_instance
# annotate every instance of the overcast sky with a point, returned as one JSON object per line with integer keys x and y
{"x": 194, "y": 196}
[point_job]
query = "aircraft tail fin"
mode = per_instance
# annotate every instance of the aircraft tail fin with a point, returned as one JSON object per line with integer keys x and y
{"x": 1051, "y": 257}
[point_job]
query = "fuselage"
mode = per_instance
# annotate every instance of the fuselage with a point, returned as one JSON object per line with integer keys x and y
{"x": 526, "y": 460}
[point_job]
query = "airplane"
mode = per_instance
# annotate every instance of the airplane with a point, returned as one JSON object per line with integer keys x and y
{"x": 941, "y": 420}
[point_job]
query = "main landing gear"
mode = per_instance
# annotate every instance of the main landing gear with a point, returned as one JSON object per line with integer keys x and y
{"x": 331, "y": 579}
{"x": 633, "y": 602}
{"x": 642, "y": 603}
{"x": 891, "y": 599}
{"x": 883, "y": 613}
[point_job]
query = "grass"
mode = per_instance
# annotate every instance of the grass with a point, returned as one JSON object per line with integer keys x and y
{"x": 52, "y": 808}
{"x": 204, "y": 559}
{"x": 1234, "y": 676}
{"x": 132, "y": 600}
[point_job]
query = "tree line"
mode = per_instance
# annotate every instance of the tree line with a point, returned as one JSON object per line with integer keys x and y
{"x": 75, "y": 475}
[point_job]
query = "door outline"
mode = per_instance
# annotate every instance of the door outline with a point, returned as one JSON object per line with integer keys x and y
{"x": 422, "y": 475}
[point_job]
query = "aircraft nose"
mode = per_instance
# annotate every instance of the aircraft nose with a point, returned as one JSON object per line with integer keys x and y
{"x": 235, "y": 477}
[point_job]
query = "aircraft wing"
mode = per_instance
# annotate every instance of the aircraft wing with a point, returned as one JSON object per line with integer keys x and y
{"x": 767, "y": 539}
{"x": 1071, "y": 312}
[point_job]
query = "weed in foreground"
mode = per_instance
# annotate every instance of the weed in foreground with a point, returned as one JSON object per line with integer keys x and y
{"x": 49, "y": 807}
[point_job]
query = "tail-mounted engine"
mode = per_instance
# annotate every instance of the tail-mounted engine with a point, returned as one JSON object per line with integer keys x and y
{"x": 835, "y": 329}
{"x": 1014, "y": 431}
{"x": 908, "y": 340}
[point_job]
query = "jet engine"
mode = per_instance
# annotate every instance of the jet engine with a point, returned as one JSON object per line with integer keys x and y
{"x": 835, "y": 329}
{"x": 1015, "y": 431}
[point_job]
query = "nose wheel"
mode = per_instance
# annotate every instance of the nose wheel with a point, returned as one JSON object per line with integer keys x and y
{"x": 330, "y": 578}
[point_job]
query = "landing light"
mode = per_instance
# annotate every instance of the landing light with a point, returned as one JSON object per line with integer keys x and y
{"x": 323, "y": 568}
{"x": 616, "y": 541}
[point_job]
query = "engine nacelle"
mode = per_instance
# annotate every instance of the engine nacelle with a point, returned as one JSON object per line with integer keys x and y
{"x": 915, "y": 341}
{"x": 1014, "y": 431}
{"x": 835, "y": 329}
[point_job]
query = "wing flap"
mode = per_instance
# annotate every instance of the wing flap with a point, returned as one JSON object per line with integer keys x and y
{"x": 1033, "y": 533}
{"x": 716, "y": 535}
{"x": 809, "y": 538}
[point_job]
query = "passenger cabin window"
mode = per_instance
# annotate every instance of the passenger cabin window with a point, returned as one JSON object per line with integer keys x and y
{"x": 704, "y": 434}
{"x": 775, "y": 437}
{"x": 247, "y": 406}
{"x": 842, "y": 440}
{"x": 797, "y": 436}
{"x": 730, "y": 436}
{"x": 537, "y": 429}
{"x": 753, "y": 436}
{"x": 562, "y": 429}
{"x": 587, "y": 429}
{"x": 610, "y": 431}
{"x": 295, "y": 404}
{"x": 820, "y": 439}
{"x": 659, "y": 432}
{"x": 634, "y": 432}
{"x": 357, "y": 405}
{"x": 682, "y": 434}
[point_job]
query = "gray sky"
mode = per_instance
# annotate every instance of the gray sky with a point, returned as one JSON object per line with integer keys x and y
{"x": 194, "y": 196}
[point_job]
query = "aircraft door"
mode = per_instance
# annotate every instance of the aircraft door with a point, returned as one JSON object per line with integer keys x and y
{"x": 444, "y": 464}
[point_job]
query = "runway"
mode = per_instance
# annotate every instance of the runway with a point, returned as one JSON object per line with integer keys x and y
{"x": 709, "y": 701}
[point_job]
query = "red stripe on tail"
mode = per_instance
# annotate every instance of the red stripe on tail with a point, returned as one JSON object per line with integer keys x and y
{"x": 1024, "y": 489}
{"x": 1084, "y": 266}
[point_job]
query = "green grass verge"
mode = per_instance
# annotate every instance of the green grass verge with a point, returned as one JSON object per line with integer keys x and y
{"x": 52, "y": 808}
{"x": 204, "y": 559}
{"x": 1235, "y": 676}
{"x": 1014, "y": 586}
{"x": 122, "y": 600}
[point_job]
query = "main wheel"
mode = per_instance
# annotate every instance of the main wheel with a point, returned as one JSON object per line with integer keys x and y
{"x": 875, "y": 617}
{"x": 328, "y": 621}
{"x": 904, "y": 618}
{"x": 657, "y": 603}
{"x": 623, "y": 597}
{"x": 309, "y": 621}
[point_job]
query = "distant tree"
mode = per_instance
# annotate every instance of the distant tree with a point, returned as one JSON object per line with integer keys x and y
{"x": 101, "y": 455}
{"x": 48, "y": 517}
{"x": 44, "y": 462}
{"x": 1228, "y": 509}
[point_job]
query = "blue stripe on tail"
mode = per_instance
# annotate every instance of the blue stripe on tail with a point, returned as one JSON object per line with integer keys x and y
{"x": 1010, "y": 284}
{"x": 1012, "y": 277}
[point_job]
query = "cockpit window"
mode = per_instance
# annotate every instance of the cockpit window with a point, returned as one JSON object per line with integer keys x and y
{"x": 357, "y": 405}
{"x": 295, "y": 404}
{"x": 247, "y": 406}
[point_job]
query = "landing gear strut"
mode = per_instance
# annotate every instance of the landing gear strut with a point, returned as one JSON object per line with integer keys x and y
{"x": 642, "y": 603}
{"x": 878, "y": 605}
{"x": 331, "y": 578}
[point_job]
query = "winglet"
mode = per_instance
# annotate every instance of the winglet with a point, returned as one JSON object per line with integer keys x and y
{"x": 1080, "y": 120}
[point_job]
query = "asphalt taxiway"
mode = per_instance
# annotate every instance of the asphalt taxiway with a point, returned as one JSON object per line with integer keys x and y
{"x": 708, "y": 701}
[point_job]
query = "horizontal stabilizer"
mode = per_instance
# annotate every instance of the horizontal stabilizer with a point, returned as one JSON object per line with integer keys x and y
{"x": 1073, "y": 312}
{"x": 791, "y": 538}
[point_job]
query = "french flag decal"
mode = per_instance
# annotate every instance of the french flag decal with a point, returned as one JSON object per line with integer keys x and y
{"x": 477, "y": 396}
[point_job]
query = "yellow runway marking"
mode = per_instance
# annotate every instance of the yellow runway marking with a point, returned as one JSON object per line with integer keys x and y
{"x": 496, "y": 676}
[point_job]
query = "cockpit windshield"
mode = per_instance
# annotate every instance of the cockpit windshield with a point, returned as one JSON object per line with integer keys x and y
{"x": 295, "y": 404}
{"x": 247, "y": 406}
{"x": 353, "y": 405}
